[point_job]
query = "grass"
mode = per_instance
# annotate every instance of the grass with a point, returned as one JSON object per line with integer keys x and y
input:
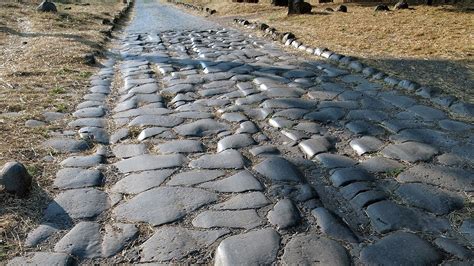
{"x": 41, "y": 69}
{"x": 432, "y": 45}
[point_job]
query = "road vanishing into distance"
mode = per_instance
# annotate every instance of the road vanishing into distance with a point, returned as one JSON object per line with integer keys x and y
{"x": 215, "y": 147}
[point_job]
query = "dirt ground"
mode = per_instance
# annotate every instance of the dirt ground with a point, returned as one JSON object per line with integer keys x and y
{"x": 42, "y": 68}
{"x": 432, "y": 45}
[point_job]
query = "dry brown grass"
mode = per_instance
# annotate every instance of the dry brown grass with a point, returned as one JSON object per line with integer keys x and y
{"x": 41, "y": 69}
{"x": 431, "y": 45}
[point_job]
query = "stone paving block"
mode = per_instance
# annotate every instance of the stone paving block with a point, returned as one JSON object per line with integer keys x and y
{"x": 365, "y": 198}
{"x": 334, "y": 160}
{"x": 264, "y": 150}
{"x": 284, "y": 214}
{"x": 306, "y": 249}
{"x": 366, "y": 144}
{"x": 228, "y": 159}
{"x": 235, "y": 142}
{"x": 150, "y": 162}
{"x": 240, "y": 182}
{"x": 194, "y": 177}
{"x": 76, "y": 204}
{"x": 136, "y": 183}
{"x": 332, "y": 226}
{"x": 66, "y": 145}
{"x": 200, "y": 128}
{"x": 398, "y": 248}
{"x": 83, "y": 161}
{"x": 292, "y": 114}
{"x": 180, "y": 146}
{"x": 129, "y": 150}
{"x": 279, "y": 169}
{"x": 82, "y": 241}
{"x": 246, "y": 219}
{"x": 410, "y": 151}
{"x": 351, "y": 190}
{"x": 155, "y": 120}
{"x": 67, "y": 178}
{"x": 251, "y": 200}
{"x": 467, "y": 230}
{"x": 326, "y": 115}
{"x": 116, "y": 237}
{"x": 163, "y": 205}
{"x": 40, "y": 234}
{"x": 260, "y": 247}
{"x": 315, "y": 145}
{"x": 43, "y": 258}
{"x": 449, "y": 177}
{"x": 452, "y": 247}
{"x": 381, "y": 165}
{"x": 174, "y": 243}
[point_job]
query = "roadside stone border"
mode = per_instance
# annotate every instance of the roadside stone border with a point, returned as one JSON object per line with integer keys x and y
{"x": 289, "y": 39}
{"x": 198, "y": 8}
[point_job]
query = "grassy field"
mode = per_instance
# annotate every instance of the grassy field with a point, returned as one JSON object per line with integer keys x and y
{"x": 432, "y": 45}
{"x": 42, "y": 69}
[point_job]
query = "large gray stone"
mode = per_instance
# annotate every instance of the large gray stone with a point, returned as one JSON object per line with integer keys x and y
{"x": 156, "y": 120}
{"x": 366, "y": 144}
{"x": 82, "y": 241}
{"x": 260, "y": 248}
{"x": 139, "y": 182}
{"x": 400, "y": 248}
{"x": 174, "y": 243}
{"x": 163, "y": 205}
{"x": 180, "y": 146}
{"x": 333, "y": 227}
{"x": 279, "y": 169}
{"x": 15, "y": 178}
{"x": 235, "y": 142}
{"x": 335, "y": 160}
{"x": 67, "y": 178}
{"x": 201, "y": 128}
{"x": 429, "y": 198}
{"x": 194, "y": 177}
{"x": 315, "y": 145}
{"x": 66, "y": 145}
{"x": 284, "y": 214}
{"x": 246, "y": 219}
{"x": 77, "y": 204}
{"x": 40, "y": 234}
{"x": 228, "y": 159}
{"x": 43, "y": 258}
{"x": 251, "y": 200}
{"x": 116, "y": 237}
{"x": 83, "y": 161}
{"x": 410, "y": 151}
{"x": 150, "y": 162}
{"x": 240, "y": 182}
{"x": 344, "y": 176}
{"x": 311, "y": 248}
{"x": 129, "y": 150}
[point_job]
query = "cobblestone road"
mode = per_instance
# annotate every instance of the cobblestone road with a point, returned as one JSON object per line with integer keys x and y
{"x": 216, "y": 147}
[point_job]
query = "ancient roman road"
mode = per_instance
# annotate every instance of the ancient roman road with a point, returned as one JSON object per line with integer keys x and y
{"x": 215, "y": 147}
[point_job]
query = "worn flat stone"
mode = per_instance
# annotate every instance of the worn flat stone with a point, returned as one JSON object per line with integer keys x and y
{"x": 449, "y": 177}
{"x": 306, "y": 249}
{"x": 67, "y": 178}
{"x": 83, "y": 161}
{"x": 284, "y": 214}
{"x": 334, "y": 160}
{"x": 315, "y": 145}
{"x": 429, "y": 198}
{"x": 150, "y": 162}
{"x": 246, "y": 219}
{"x": 228, "y": 159}
{"x": 381, "y": 165}
{"x": 129, "y": 150}
{"x": 201, "y": 128}
{"x": 366, "y": 144}
{"x": 40, "y": 234}
{"x": 240, "y": 182}
{"x": 94, "y": 134}
{"x": 138, "y": 182}
{"x": 82, "y": 241}
{"x": 235, "y": 142}
{"x": 174, "y": 243}
{"x": 365, "y": 198}
{"x": 116, "y": 237}
{"x": 77, "y": 204}
{"x": 156, "y": 120}
{"x": 364, "y": 128}
{"x": 332, "y": 226}
{"x": 279, "y": 169}
{"x": 286, "y": 103}
{"x": 43, "y": 258}
{"x": 400, "y": 248}
{"x": 260, "y": 248}
{"x": 163, "y": 205}
{"x": 326, "y": 115}
{"x": 180, "y": 146}
{"x": 453, "y": 247}
{"x": 151, "y": 132}
{"x": 194, "y": 177}
{"x": 425, "y": 135}
{"x": 66, "y": 145}
{"x": 467, "y": 230}
{"x": 410, "y": 151}
{"x": 251, "y": 200}
{"x": 388, "y": 216}
{"x": 89, "y": 112}
{"x": 345, "y": 176}
{"x": 427, "y": 113}
{"x": 294, "y": 135}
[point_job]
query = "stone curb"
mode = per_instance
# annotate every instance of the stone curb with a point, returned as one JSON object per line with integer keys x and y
{"x": 289, "y": 39}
